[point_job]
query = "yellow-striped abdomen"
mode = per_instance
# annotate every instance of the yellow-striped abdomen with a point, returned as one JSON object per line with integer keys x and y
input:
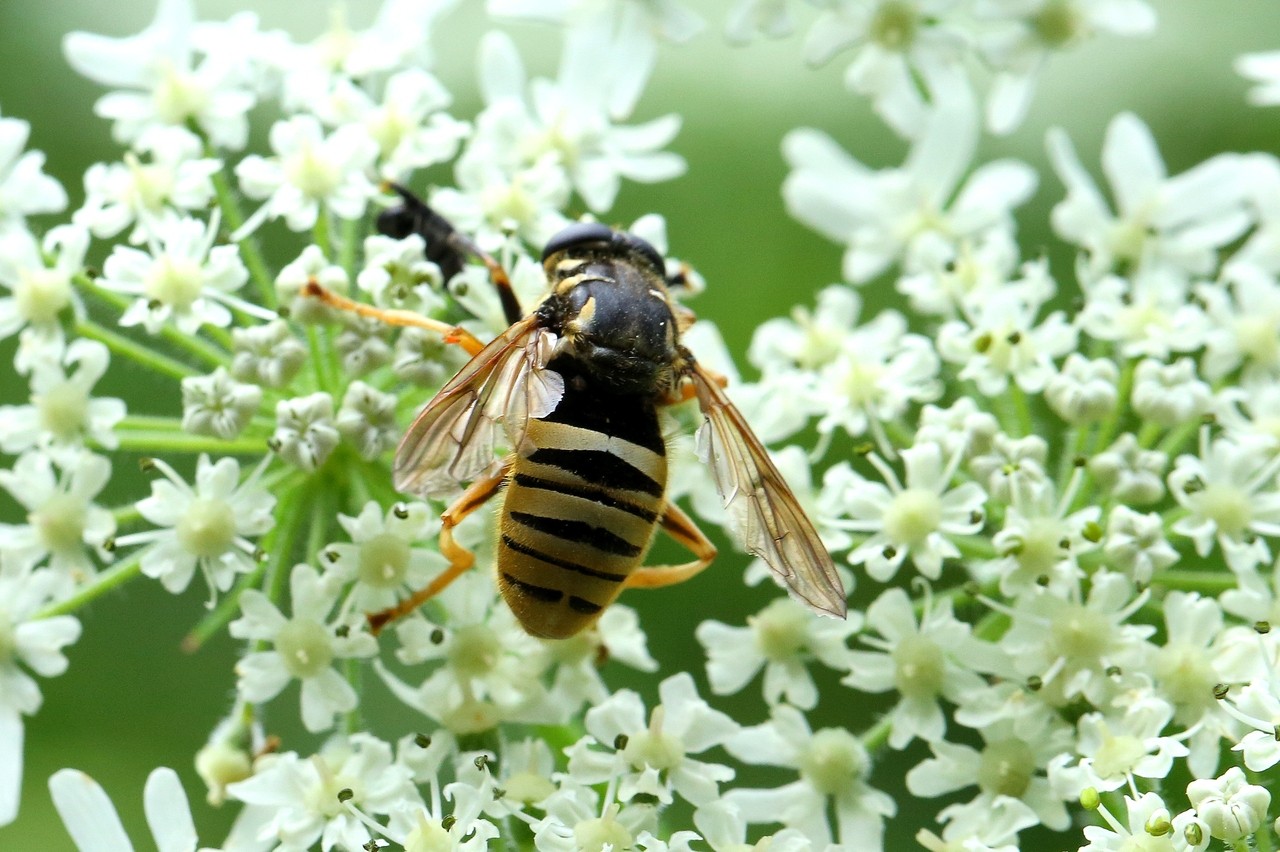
{"x": 579, "y": 511}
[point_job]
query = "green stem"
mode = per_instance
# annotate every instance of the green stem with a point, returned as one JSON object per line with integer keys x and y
{"x": 1021, "y": 409}
{"x": 165, "y": 441}
{"x": 1179, "y": 437}
{"x": 1111, "y": 425}
{"x": 322, "y": 234}
{"x": 249, "y": 250}
{"x": 321, "y": 358}
{"x": 347, "y": 250}
{"x": 1206, "y": 582}
{"x": 975, "y": 546}
{"x": 134, "y": 351}
{"x": 877, "y": 736}
{"x": 115, "y": 576}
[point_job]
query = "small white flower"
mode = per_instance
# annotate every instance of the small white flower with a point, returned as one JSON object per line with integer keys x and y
{"x": 25, "y": 190}
{"x": 1000, "y": 340}
{"x": 1040, "y": 543}
{"x": 367, "y": 419}
{"x": 204, "y": 526}
{"x": 63, "y": 521}
{"x": 1231, "y": 496}
{"x": 94, "y": 826}
{"x": 1135, "y": 544}
{"x": 183, "y": 277}
{"x": 1263, "y": 69}
{"x": 267, "y": 355}
{"x": 1245, "y": 315}
{"x": 308, "y": 171}
{"x": 139, "y": 193}
{"x": 1068, "y": 644}
{"x": 1011, "y": 466}
{"x": 653, "y": 758}
{"x": 1145, "y": 813}
{"x": 1129, "y": 473}
{"x": 159, "y": 81}
{"x": 39, "y": 294}
{"x": 305, "y": 434}
{"x": 1169, "y": 394}
{"x": 310, "y": 265}
{"x": 1178, "y": 222}
{"x": 300, "y": 796}
{"x": 924, "y": 661}
{"x": 1083, "y": 391}
{"x": 397, "y": 274}
{"x": 27, "y": 643}
{"x": 881, "y": 216}
{"x": 912, "y": 520}
{"x": 382, "y": 559}
{"x": 62, "y": 416}
{"x": 782, "y": 639}
{"x": 1230, "y": 807}
{"x": 1114, "y": 748}
{"x": 218, "y": 405}
{"x": 833, "y": 766}
{"x": 304, "y": 648}
{"x": 363, "y": 344}
{"x": 1149, "y": 313}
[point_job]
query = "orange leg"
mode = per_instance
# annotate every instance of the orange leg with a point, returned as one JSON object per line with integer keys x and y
{"x": 451, "y": 333}
{"x": 682, "y": 528}
{"x": 460, "y": 559}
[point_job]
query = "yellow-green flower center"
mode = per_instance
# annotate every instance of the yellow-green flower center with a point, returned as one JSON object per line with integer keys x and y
{"x": 63, "y": 409}
{"x": 305, "y": 647}
{"x": 919, "y": 667}
{"x": 41, "y": 295}
{"x": 383, "y": 561}
{"x": 834, "y": 761}
{"x": 174, "y": 281}
{"x": 207, "y": 527}
{"x": 912, "y": 516}
{"x": 1006, "y": 768}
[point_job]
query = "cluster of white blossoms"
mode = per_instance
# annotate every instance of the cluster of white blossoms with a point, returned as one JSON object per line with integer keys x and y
{"x": 1065, "y": 523}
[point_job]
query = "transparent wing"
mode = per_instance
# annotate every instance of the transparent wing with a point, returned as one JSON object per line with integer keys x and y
{"x": 770, "y": 521}
{"x": 453, "y": 439}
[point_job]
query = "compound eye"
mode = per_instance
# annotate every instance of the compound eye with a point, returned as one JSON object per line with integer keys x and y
{"x": 645, "y": 250}
{"x": 580, "y": 233}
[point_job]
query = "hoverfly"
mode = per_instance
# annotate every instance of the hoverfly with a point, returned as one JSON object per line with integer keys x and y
{"x": 574, "y": 388}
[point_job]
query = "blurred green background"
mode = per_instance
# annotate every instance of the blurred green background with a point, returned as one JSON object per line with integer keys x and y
{"x": 132, "y": 700}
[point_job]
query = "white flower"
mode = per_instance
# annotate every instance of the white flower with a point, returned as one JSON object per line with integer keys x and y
{"x": 1148, "y": 818}
{"x": 573, "y": 117}
{"x": 27, "y": 643}
{"x": 25, "y": 190}
{"x": 1264, "y": 70}
{"x": 1232, "y": 496}
{"x": 653, "y": 758}
{"x": 899, "y": 48}
{"x": 809, "y": 339}
{"x": 782, "y": 639}
{"x": 397, "y": 274}
{"x": 305, "y": 433}
{"x": 159, "y": 81}
{"x": 1011, "y": 466}
{"x": 321, "y": 798}
{"x": 203, "y": 527}
{"x": 493, "y": 202}
{"x": 1150, "y": 313}
{"x": 1040, "y": 543}
{"x": 311, "y": 264}
{"x": 267, "y": 355}
{"x": 1135, "y": 544}
{"x": 218, "y": 405}
{"x": 1245, "y": 314}
{"x": 999, "y": 340}
{"x": 1008, "y": 772}
{"x": 880, "y": 216}
{"x": 1169, "y": 394}
{"x": 304, "y": 648}
{"x": 1179, "y": 222}
{"x": 833, "y": 766}
{"x": 1067, "y": 644}
{"x": 63, "y": 521}
{"x": 925, "y": 661}
{"x": 1113, "y": 748}
{"x": 139, "y": 193}
{"x": 1129, "y": 473}
{"x": 39, "y": 293}
{"x": 1230, "y": 807}
{"x": 308, "y": 171}
{"x": 183, "y": 277}
{"x": 94, "y": 826}
{"x": 879, "y": 372}
{"x": 915, "y": 520}
{"x": 62, "y": 416}
{"x": 367, "y": 419}
{"x": 383, "y": 560}
{"x": 1084, "y": 390}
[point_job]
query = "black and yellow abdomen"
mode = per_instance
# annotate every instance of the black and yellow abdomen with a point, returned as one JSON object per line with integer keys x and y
{"x": 582, "y": 500}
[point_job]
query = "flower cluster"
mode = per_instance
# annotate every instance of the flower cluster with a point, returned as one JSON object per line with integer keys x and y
{"x": 1058, "y": 489}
